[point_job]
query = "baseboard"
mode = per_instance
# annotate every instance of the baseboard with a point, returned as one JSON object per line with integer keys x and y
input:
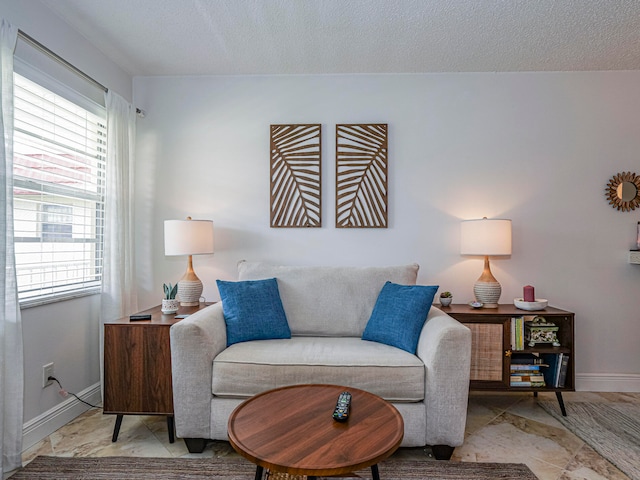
{"x": 608, "y": 382}
{"x": 45, "y": 424}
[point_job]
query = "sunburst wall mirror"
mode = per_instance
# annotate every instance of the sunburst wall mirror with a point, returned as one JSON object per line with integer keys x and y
{"x": 623, "y": 191}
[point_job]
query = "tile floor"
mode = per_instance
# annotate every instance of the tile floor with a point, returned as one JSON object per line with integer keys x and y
{"x": 500, "y": 428}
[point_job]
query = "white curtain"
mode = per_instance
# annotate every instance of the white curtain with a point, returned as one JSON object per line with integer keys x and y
{"x": 119, "y": 294}
{"x": 11, "y": 357}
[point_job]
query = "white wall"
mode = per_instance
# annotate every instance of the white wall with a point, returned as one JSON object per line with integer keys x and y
{"x": 537, "y": 148}
{"x": 36, "y": 20}
{"x": 66, "y": 333}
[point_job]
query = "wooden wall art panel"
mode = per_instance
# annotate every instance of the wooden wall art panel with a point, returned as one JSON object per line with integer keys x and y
{"x": 296, "y": 157}
{"x": 361, "y": 176}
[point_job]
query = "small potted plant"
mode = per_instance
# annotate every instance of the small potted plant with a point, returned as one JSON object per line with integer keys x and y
{"x": 445, "y": 299}
{"x": 169, "y": 303}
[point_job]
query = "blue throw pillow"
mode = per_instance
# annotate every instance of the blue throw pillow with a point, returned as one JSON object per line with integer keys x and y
{"x": 399, "y": 315}
{"x": 253, "y": 310}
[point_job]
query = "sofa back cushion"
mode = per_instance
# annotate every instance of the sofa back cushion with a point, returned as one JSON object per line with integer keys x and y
{"x": 328, "y": 301}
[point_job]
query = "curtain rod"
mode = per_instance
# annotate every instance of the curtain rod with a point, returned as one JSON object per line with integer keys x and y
{"x": 36, "y": 44}
{"x": 51, "y": 54}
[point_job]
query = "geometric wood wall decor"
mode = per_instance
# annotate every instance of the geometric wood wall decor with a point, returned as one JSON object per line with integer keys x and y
{"x": 296, "y": 156}
{"x": 361, "y": 176}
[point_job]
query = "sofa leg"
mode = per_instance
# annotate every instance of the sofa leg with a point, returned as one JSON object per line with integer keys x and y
{"x": 195, "y": 445}
{"x": 442, "y": 452}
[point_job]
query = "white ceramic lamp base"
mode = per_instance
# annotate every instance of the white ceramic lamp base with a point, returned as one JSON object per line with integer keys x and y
{"x": 488, "y": 293}
{"x": 189, "y": 292}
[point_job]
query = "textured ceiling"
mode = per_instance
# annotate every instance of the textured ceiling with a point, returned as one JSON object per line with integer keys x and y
{"x": 195, "y": 37}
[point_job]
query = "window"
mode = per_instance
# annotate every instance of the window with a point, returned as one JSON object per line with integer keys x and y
{"x": 59, "y": 188}
{"x": 57, "y": 222}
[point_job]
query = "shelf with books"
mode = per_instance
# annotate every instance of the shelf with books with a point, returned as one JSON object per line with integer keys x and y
{"x": 506, "y": 342}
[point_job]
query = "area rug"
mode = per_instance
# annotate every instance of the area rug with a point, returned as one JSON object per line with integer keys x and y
{"x": 137, "y": 468}
{"x": 611, "y": 429}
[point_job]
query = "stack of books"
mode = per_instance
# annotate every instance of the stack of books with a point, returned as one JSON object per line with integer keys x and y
{"x": 527, "y": 371}
{"x": 527, "y": 376}
{"x": 556, "y": 373}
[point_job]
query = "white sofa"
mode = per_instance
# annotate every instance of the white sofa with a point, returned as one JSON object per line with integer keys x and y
{"x": 327, "y": 309}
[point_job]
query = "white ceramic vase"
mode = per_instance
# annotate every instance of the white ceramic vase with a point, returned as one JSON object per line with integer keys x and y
{"x": 445, "y": 301}
{"x": 170, "y": 306}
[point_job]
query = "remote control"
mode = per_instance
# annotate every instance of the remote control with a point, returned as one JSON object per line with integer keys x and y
{"x": 133, "y": 318}
{"x": 341, "y": 412}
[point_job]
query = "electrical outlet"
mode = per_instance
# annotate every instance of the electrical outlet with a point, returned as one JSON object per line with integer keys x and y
{"x": 47, "y": 371}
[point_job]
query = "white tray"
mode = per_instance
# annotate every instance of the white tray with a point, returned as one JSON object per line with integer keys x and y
{"x": 539, "y": 304}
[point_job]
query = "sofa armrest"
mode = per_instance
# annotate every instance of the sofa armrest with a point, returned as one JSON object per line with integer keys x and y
{"x": 445, "y": 349}
{"x": 195, "y": 342}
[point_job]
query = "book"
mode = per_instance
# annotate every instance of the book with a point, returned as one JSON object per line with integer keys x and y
{"x": 554, "y": 374}
{"x": 549, "y": 373}
{"x": 525, "y": 366}
{"x": 564, "y": 367}
{"x": 526, "y": 359}
{"x": 527, "y": 378}
{"x": 521, "y": 333}
{"x": 526, "y": 372}
{"x": 558, "y": 367}
{"x": 524, "y": 383}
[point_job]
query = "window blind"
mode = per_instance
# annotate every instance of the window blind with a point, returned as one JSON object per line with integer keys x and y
{"x": 59, "y": 190}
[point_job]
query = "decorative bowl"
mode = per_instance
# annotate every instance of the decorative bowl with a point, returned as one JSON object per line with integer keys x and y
{"x": 476, "y": 304}
{"x": 539, "y": 304}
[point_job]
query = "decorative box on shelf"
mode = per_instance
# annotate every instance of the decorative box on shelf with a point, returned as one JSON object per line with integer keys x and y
{"x": 539, "y": 330}
{"x": 634, "y": 256}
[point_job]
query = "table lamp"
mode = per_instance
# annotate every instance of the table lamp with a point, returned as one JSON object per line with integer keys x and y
{"x": 489, "y": 238}
{"x": 188, "y": 237}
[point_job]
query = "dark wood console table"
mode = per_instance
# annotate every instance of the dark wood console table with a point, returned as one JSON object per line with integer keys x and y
{"x": 492, "y": 350}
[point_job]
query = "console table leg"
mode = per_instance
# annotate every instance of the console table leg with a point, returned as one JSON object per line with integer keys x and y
{"x": 561, "y": 403}
{"x": 259, "y": 471}
{"x": 171, "y": 428}
{"x": 375, "y": 474}
{"x": 116, "y": 428}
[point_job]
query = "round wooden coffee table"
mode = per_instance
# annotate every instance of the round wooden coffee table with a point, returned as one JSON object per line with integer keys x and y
{"x": 291, "y": 430}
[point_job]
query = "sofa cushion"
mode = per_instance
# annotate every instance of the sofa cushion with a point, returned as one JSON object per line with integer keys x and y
{"x": 253, "y": 310}
{"x": 246, "y": 369}
{"x": 329, "y": 301}
{"x": 399, "y": 314}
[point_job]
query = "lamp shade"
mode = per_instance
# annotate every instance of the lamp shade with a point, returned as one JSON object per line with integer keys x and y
{"x": 485, "y": 237}
{"x": 188, "y": 237}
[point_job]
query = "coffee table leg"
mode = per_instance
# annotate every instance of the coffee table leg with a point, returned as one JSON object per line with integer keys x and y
{"x": 259, "y": 471}
{"x": 374, "y": 472}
